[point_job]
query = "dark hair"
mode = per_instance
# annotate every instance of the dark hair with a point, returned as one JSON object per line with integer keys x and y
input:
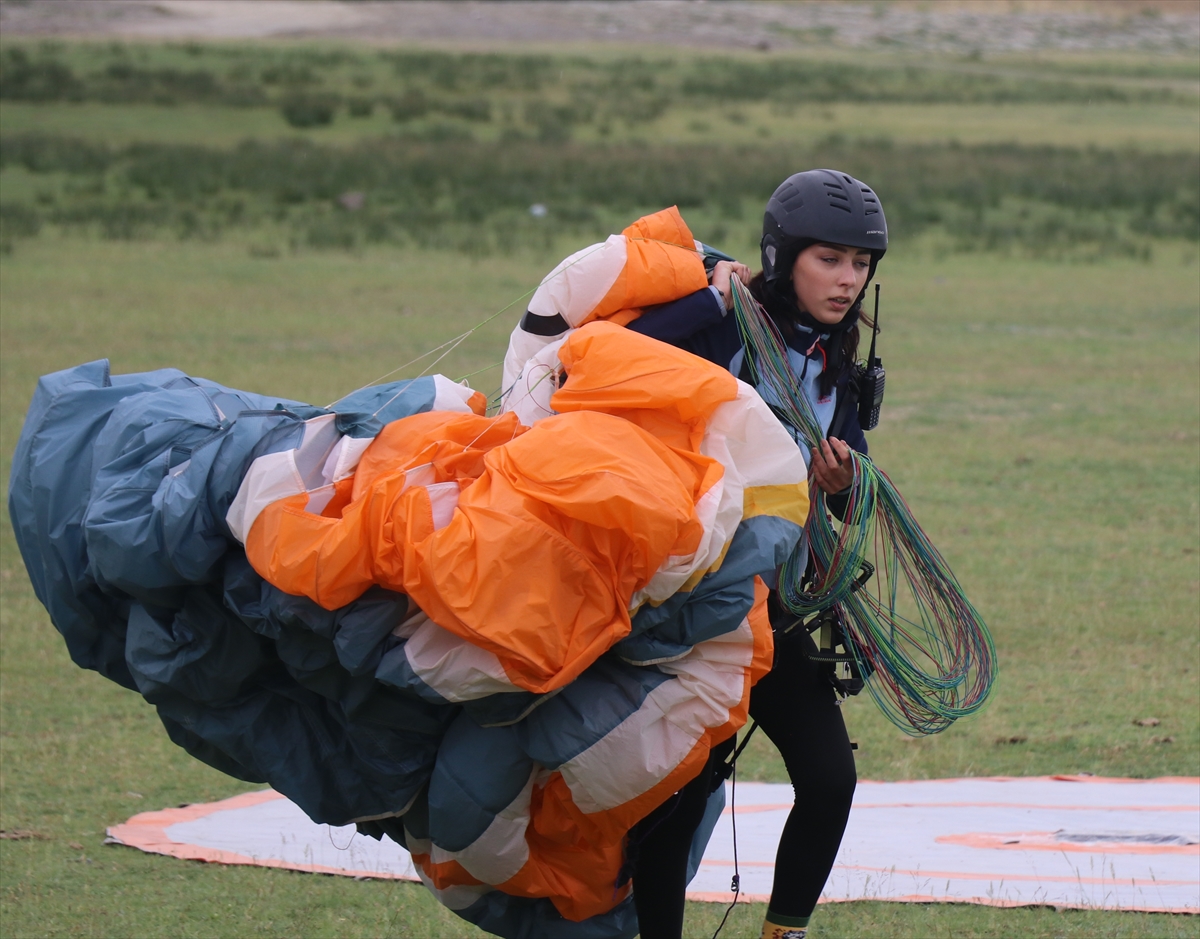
{"x": 842, "y": 349}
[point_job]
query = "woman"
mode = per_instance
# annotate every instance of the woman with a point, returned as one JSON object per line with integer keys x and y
{"x": 823, "y": 235}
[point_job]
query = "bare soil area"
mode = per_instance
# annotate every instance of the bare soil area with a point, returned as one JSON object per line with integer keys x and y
{"x": 967, "y": 26}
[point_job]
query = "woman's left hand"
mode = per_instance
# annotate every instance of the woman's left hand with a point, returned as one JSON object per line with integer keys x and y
{"x": 721, "y": 275}
{"x": 830, "y": 466}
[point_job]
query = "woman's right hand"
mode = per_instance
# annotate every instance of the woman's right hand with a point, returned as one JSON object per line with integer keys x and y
{"x": 830, "y": 466}
{"x": 721, "y": 275}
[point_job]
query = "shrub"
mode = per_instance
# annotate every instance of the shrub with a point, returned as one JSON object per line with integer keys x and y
{"x": 289, "y": 73}
{"x": 46, "y": 153}
{"x": 450, "y": 71}
{"x": 360, "y": 107}
{"x": 308, "y": 110}
{"x": 122, "y": 82}
{"x": 472, "y": 109}
{"x": 409, "y": 106}
{"x": 435, "y": 181}
{"x": 46, "y": 80}
{"x": 119, "y": 221}
{"x": 815, "y": 80}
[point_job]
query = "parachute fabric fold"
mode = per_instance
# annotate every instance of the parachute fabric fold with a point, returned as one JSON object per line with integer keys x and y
{"x": 654, "y": 260}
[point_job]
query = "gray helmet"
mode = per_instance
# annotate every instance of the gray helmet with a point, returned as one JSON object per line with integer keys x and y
{"x": 819, "y": 206}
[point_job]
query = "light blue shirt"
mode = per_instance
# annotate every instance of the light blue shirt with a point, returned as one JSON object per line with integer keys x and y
{"x": 808, "y": 371}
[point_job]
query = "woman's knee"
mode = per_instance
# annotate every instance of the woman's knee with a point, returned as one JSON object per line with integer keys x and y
{"x": 833, "y": 788}
{"x": 830, "y": 781}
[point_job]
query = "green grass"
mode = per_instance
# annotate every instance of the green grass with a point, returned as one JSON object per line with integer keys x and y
{"x": 186, "y": 123}
{"x": 1041, "y": 418}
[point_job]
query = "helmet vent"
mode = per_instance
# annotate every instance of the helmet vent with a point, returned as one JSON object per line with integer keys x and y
{"x": 792, "y": 198}
{"x": 837, "y": 196}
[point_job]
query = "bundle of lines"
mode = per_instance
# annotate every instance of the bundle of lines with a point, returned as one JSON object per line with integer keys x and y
{"x": 933, "y": 659}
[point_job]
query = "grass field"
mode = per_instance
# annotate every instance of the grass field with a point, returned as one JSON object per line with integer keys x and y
{"x": 1042, "y": 419}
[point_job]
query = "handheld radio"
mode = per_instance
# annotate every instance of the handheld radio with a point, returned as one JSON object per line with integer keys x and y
{"x": 871, "y": 380}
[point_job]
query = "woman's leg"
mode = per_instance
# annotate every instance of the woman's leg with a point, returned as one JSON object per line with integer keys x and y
{"x": 662, "y": 842}
{"x": 797, "y": 708}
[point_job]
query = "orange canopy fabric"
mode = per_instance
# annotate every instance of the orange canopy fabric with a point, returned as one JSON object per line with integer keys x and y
{"x": 661, "y": 265}
{"x": 556, "y": 526}
{"x": 652, "y": 384}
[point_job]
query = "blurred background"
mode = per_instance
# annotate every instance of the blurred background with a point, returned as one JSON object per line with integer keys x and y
{"x": 1019, "y": 127}
{"x": 297, "y": 196}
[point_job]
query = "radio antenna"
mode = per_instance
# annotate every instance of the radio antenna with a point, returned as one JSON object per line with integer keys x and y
{"x": 871, "y": 360}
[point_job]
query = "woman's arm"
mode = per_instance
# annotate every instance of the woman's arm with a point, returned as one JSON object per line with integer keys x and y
{"x": 697, "y": 323}
{"x": 678, "y": 321}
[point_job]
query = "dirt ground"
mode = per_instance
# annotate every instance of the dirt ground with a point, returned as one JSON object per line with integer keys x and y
{"x": 966, "y": 26}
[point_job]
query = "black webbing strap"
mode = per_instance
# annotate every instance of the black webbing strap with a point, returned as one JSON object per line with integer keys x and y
{"x": 725, "y": 769}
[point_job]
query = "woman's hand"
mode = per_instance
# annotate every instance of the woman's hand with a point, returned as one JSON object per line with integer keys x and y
{"x": 830, "y": 466}
{"x": 720, "y": 278}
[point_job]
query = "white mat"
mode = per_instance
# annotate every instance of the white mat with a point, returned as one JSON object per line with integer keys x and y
{"x": 1081, "y": 842}
{"x": 1069, "y": 841}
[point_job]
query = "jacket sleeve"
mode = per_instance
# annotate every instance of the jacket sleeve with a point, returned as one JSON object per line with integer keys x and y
{"x": 852, "y": 433}
{"x": 696, "y": 323}
{"x": 678, "y": 321}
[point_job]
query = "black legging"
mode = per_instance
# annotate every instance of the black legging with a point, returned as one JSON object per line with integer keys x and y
{"x": 796, "y": 707}
{"x": 659, "y": 847}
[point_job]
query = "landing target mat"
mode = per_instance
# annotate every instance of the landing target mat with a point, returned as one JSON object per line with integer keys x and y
{"x": 1068, "y": 841}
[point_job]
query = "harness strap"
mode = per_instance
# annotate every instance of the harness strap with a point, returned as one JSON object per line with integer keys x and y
{"x": 725, "y": 769}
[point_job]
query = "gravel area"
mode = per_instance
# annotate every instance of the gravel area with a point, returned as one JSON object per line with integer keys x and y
{"x": 966, "y": 26}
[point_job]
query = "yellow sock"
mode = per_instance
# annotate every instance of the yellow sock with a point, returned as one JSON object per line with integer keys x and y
{"x": 776, "y": 931}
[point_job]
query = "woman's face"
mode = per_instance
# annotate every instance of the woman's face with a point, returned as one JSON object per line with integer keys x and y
{"x": 828, "y": 278}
